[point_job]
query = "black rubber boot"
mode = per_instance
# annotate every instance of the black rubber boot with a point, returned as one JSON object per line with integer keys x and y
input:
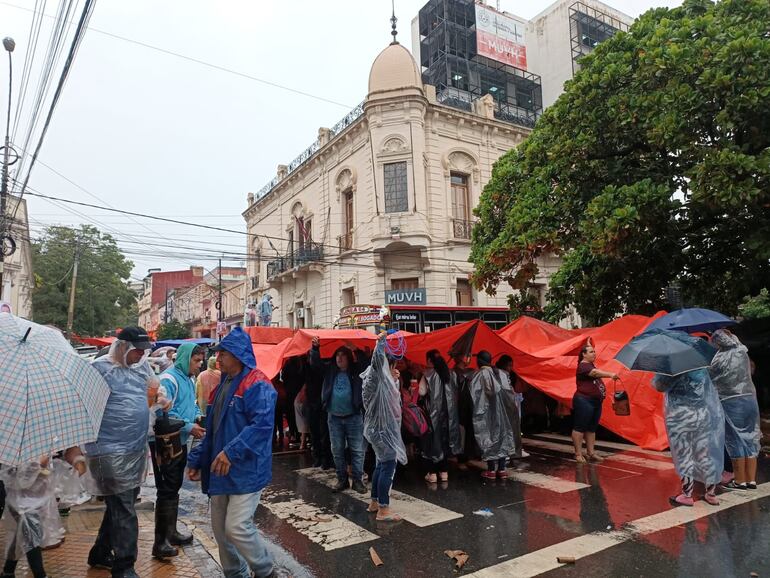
{"x": 100, "y": 558}
{"x": 162, "y": 549}
{"x": 176, "y": 538}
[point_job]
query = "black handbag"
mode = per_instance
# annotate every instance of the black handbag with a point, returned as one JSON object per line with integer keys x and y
{"x": 621, "y": 404}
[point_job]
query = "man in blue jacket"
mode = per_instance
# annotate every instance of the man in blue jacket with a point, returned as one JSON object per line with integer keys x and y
{"x": 234, "y": 460}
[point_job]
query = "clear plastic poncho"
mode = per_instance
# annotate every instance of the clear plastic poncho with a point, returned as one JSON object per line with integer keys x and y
{"x": 32, "y": 518}
{"x": 731, "y": 373}
{"x": 118, "y": 458}
{"x": 68, "y": 484}
{"x": 382, "y": 405}
{"x": 695, "y": 425}
{"x": 730, "y": 369}
{"x": 491, "y": 426}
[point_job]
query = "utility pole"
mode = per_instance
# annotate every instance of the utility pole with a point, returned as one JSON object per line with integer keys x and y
{"x": 9, "y": 45}
{"x": 71, "y": 309}
{"x": 220, "y": 313}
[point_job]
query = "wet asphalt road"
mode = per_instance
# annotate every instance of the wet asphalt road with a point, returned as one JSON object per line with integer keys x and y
{"x": 314, "y": 532}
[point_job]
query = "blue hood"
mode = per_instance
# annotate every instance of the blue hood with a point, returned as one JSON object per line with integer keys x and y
{"x": 238, "y": 343}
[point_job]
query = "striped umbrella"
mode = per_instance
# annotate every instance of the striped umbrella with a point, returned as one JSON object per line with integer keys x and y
{"x": 50, "y": 397}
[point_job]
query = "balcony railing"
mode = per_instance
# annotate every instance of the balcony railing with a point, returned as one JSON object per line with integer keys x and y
{"x": 304, "y": 255}
{"x": 462, "y": 228}
{"x": 346, "y": 241}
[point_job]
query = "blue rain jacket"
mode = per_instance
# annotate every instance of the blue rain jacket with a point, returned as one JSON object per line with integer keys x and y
{"x": 245, "y": 427}
{"x": 180, "y": 385}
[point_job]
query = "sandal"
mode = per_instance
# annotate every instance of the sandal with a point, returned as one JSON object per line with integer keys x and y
{"x": 595, "y": 458}
{"x": 443, "y": 476}
{"x": 430, "y": 478}
{"x": 372, "y": 508}
{"x": 580, "y": 459}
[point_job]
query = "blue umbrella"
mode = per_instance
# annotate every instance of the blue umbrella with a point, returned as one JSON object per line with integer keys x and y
{"x": 666, "y": 352}
{"x": 692, "y": 319}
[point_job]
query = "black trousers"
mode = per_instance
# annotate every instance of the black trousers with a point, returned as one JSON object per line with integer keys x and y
{"x": 319, "y": 430}
{"x": 119, "y": 531}
{"x": 168, "y": 477}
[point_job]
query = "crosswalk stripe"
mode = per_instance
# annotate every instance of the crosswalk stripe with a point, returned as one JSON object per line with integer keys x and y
{"x": 613, "y": 445}
{"x": 550, "y": 483}
{"x": 413, "y": 510}
{"x": 545, "y": 559}
{"x": 626, "y": 459}
{"x": 326, "y": 529}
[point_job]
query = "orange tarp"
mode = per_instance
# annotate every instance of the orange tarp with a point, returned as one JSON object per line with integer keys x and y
{"x": 271, "y": 335}
{"x": 551, "y": 369}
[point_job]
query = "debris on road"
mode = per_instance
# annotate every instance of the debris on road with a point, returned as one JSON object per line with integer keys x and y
{"x": 486, "y": 512}
{"x": 375, "y": 557}
{"x": 565, "y": 559}
{"x": 458, "y": 556}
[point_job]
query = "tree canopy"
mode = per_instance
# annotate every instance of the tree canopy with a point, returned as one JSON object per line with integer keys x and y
{"x": 103, "y": 300}
{"x": 173, "y": 330}
{"x": 653, "y": 167}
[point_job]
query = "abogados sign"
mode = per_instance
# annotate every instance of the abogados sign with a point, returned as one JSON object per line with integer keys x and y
{"x": 406, "y": 297}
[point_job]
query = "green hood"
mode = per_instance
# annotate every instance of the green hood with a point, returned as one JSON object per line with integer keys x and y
{"x": 183, "y": 355}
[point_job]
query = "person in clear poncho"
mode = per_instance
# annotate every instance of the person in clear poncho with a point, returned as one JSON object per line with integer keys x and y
{"x": 731, "y": 373}
{"x": 491, "y": 426}
{"x": 443, "y": 440}
{"x": 32, "y": 523}
{"x": 118, "y": 457}
{"x": 695, "y": 425}
{"x": 382, "y": 428}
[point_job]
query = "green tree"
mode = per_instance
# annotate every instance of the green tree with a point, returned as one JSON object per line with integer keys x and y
{"x": 653, "y": 167}
{"x": 757, "y": 307}
{"x": 102, "y": 296}
{"x": 173, "y": 330}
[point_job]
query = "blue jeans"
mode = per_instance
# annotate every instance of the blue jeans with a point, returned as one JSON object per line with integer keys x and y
{"x": 119, "y": 531}
{"x": 347, "y": 430}
{"x": 382, "y": 480}
{"x": 241, "y": 550}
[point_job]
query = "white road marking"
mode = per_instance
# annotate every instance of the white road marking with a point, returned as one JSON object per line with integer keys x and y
{"x": 544, "y": 560}
{"x": 624, "y": 458}
{"x": 413, "y": 510}
{"x": 613, "y": 445}
{"x": 551, "y": 483}
{"x": 326, "y": 529}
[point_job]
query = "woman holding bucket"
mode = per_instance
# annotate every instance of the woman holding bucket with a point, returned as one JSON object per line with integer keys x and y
{"x": 587, "y": 403}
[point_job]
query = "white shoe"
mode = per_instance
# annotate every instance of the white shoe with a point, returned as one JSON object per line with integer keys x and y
{"x": 524, "y": 454}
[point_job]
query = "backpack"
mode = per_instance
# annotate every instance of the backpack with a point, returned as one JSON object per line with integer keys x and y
{"x": 413, "y": 418}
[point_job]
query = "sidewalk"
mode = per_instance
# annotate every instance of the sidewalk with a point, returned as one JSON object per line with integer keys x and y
{"x": 199, "y": 560}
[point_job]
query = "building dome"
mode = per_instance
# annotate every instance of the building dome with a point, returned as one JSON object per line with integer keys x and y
{"x": 394, "y": 69}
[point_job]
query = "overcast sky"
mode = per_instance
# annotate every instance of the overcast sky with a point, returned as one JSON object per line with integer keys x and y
{"x": 154, "y": 133}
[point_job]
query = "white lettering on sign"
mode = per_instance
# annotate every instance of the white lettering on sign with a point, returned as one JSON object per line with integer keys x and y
{"x": 408, "y": 296}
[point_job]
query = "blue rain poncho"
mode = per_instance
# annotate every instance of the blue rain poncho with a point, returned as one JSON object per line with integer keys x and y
{"x": 382, "y": 405}
{"x": 695, "y": 425}
{"x": 731, "y": 373}
{"x": 117, "y": 459}
{"x": 491, "y": 426}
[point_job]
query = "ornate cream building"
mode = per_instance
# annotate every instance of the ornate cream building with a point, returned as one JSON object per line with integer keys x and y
{"x": 18, "y": 278}
{"x": 380, "y": 206}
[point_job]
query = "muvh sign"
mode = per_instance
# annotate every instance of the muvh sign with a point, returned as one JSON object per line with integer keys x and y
{"x": 406, "y": 297}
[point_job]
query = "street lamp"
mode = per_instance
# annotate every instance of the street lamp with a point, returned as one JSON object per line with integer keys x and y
{"x": 9, "y": 45}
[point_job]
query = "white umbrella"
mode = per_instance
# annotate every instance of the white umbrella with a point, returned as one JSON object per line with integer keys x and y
{"x": 50, "y": 397}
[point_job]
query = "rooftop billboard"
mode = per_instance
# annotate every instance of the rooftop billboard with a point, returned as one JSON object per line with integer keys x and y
{"x": 500, "y": 37}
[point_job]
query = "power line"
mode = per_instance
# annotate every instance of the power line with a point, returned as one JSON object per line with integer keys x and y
{"x": 85, "y": 16}
{"x": 255, "y": 235}
{"x": 206, "y": 64}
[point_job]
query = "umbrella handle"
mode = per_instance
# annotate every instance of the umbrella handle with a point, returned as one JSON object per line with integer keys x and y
{"x": 24, "y": 339}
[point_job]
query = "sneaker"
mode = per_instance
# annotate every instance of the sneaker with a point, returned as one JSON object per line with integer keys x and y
{"x": 502, "y": 474}
{"x": 100, "y": 559}
{"x": 733, "y": 485}
{"x": 358, "y": 486}
{"x": 727, "y": 477}
{"x": 317, "y": 464}
{"x": 681, "y": 500}
{"x": 524, "y": 454}
{"x": 489, "y": 475}
{"x": 340, "y": 486}
{"x": 751, "y": 485}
